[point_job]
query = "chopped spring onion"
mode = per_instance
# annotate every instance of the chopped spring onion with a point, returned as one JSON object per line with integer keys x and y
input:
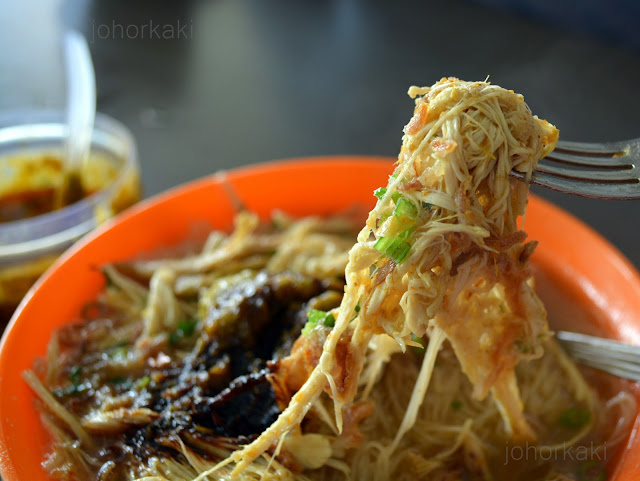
{"x": 119, "y": 350}
{"x": 184, "y": 329}
{"x": 316, "y": 317}
{"x": 356, "y": 309}
{"x": 122, "y": 382}
{"x": 575, "y": 418}
{"x": 396, "y": 196}
{"x": 417, "y": 340}
{"x": 523, "y": 347}
{"x": 308, "y": 327}
{"x": 456, "y": 405}
{"x": 75, "y": 374}
{"x": 396, "y": 249}
{"x": 71, "y": 390}
{"x": 379, "y": 192}
{"x": 418, "y": 350}
{"x": 76, "y": 387}
{"x": 187, "y": 327}
{"x": 591, "y": 471}
{"x": 329, "y": 321}
{"x": 405, "y": 208}
{"x": 143, "y": 382}
{"x": 406, "y": 233}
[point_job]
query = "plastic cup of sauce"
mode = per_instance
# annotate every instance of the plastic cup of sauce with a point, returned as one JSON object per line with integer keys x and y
{"x": 34, "y": 231}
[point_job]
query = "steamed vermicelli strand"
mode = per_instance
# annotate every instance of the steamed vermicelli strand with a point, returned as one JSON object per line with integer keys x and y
{"x": 282, "y": 350}
{"x": 436, "y": 339}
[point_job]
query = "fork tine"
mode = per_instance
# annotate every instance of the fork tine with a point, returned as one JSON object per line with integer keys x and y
{"x": 603, "y": 354}
{"x": 579, "y": 339}
{"x": 618, "y": 176}
{"x": 609, "y": 347}
{"x": 612, "y": 366}
{"x": 590, "y": 161}
{"x": 626, "y": 372}
{"x": 633, "y": 375}
{"x": 584, "y": 188}
{"x": 603, "y": 359}
{"x": 609, "y": 148}
{"x": 622, "y": 360}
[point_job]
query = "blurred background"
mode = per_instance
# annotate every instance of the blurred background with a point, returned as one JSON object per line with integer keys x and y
{"x": 214, "y": 85}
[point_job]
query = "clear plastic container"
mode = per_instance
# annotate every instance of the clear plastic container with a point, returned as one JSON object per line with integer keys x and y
{"x": 28, "y": 246}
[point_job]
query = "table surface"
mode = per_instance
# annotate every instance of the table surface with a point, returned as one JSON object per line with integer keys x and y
{"x": 206, "y": 86}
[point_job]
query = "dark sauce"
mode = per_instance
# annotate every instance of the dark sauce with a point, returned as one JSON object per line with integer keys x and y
{"x": 31, "y": 189}
{"x": 219, "y": 393}
{"x": 26, "y": 204}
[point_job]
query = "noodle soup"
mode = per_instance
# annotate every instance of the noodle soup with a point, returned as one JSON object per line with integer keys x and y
{"x": 207, "y": 379}
{"x": 292, "y": 348}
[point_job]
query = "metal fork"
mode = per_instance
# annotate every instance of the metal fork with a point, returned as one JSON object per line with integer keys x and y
{"x": 622, "y": 360}
{"x": 600, "y": 171}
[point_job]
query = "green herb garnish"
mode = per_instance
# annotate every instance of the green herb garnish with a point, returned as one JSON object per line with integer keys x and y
{"x": 591, "y": 471}
{"x": 187, "y": 327}
{"x": 119, "y": 350}
{"x": 396, "y": 249}
{"x": 315, "y": 317}
{"x": 405, "y": 208}
{"x": 575, "y": 418}
{"x": 184, "y": 329}
{"x": 406, "y": 234}
{"x": 523, "y": 347}
{"x": 418, "y": 340}
{"x": 379, "y": 192}
{"x": 143, "y": 382}
{"x": 122, "y": 382}
{"x": 419, "y": 350}
{"x": 329, "y": 321}
{"x": 75, "y": 374}
{"x": 71, "y": 390}
{"x": 456, "y": 405}
{"x": 76, "y": 387}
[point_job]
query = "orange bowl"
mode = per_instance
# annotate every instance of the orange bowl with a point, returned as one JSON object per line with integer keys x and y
{"x": 583, "y": 264}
